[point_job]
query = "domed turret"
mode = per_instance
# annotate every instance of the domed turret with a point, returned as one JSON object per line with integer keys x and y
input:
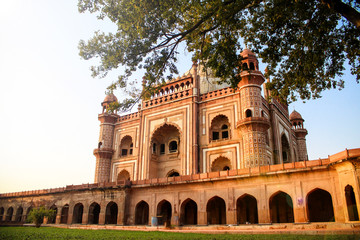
{"x": 296, "y": 120}
{"x": 249, "y": 61}
{"x": 110, "y": 98}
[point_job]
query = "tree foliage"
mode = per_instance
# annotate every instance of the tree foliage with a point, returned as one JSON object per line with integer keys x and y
{"x": 37, "y": 215}
{"x": 305, "y": 43}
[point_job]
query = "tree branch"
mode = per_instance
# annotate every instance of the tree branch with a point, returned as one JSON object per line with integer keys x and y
{"x": 344, "y": 10}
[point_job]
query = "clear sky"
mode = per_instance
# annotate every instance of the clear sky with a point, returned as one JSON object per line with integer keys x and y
{"x": 49, "y": 102}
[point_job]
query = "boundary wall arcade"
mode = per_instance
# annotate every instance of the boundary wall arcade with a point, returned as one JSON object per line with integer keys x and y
{"x": 297, "y": 192}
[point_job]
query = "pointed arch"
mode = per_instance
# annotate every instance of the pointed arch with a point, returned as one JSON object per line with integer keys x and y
{"x": 320, "y": 206}
{"x": 173, "y": 173}
{"x": 164, "y": 212}
{"x": 246, "y": 209}
{"x": 216, "y": 211}
{"x": 351, "y": 203}
{"x": 94, "y": 213}
{"x": 220, "y": 128}
{"x": 64, "y": 214}
{"x": 188, "y": 212}
{"x": 281, "y": 208}
{"x": 126, "y": 146}
{"x": 285, "y": 149}
{"x": 1, "y": 214}
{"x": 9, "y": 214}
{"x": 53, "y": 219}
{"x": 221, "y": 164}
{"x": 111, "y": 213}
{"x": 123, "y": 175}
{"x": 19, "y": 214}
{"x": 142, "y": 213}
{"x": 78, "y": 213}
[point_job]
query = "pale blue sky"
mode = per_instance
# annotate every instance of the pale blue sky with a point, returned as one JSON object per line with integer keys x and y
{"x": 49, "y": 102}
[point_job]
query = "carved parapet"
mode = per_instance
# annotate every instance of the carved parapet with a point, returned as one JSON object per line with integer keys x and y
{"x": 253, "y": 124}
{"x": 103, "y": 152}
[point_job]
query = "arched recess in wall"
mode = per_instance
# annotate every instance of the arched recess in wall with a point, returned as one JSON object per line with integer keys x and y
{"x": 188, "y": 212}
{"x": 94, "y": 213}
{"x": 64, "y": 214}
{"x": 165, "y": 145}
{"x": 111, "y": 213}
{"x": 173, "y": 173}
{"x": 248, "y": 113}
{"x": 285, "y": 149}
{"x": 1, "y": 214}
{"x": 320, "y": 206}
{"x": 78, "y": 213}
{"x": 216, "y": 211}
{"x": 53, "y": 219}
{"x": 351, "y": 203}
{"x": 9, "y": 214}
{"x": 220, "y": 128}
{"x": 123, "y": 175}
{"x": 142, "y": 213}
{"x": 19, "y": 214}
{"x": 28, "y": 212}
{"x": 126, "y": 146}
{"x": 164, "y": 211}
{"x": 246, "y": 209}
{"x": 281, "y": 208}
{"x": 221, "y": 164}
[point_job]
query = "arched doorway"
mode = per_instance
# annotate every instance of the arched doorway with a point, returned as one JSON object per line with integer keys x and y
{"x": 216, "y": 211}
{"x": 320, "y": 206}
{"x": 285, "y": 149}
{"x": 1, "y": 214}
{"x": 246, "y": 210}
{"x": 220, "y": 164}
{"x": 188, "y": 212}
{"x": 164, "y": 212}
{"x": 64, "y": 214}
{"x": 281, "y": 208}
{"x": 53, "y": 219}
{"x": 94, "y": 213}
{"x": 19, "y": 213}
{"x": 9, "y": 214}
{"x": 111, "y": 213}
{"x": 351, "y": 203}
{"x": 27, "y": 213}
{"x": 142, "y": 213}
{"x": 123, "y": 175}
{"x": 78, "y": 213}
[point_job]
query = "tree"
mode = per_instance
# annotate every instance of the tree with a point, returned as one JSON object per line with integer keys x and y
{"x": 304, "y": 43}
{"x": 37, "y": 215}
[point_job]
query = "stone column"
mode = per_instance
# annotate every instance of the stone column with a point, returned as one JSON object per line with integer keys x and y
{"x": 299, "y": 204}
{"x": 263, "y": 206}
{"x": 231, "y": 208}
{"x": 102, "y": 213}
{"x": 58, "y": 216}
{"x": 85, "y": 216}
{"x": 202, "y": 220}
{"x": 70, "y": 214}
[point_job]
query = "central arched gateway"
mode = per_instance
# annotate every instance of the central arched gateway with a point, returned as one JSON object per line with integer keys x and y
{"x": 188, "y": 212}
{"x": 216, "y": 211}
{"x": 281, "y": 208}
{"x": 164, "y": 212}
{"x": 142, "y": 213}
{"x": 64, "y": 214}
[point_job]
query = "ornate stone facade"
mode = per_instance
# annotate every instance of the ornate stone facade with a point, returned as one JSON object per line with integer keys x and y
{"x": 191, "y": 156}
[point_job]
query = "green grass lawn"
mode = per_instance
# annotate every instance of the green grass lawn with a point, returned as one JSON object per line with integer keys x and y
{"x": 62, "y": 233}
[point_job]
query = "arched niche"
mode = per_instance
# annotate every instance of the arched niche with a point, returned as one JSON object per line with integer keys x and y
{"x": 216, "y": 211}
{"x": 320, "y": 206}
{"x": 142, "y": 213}
{"x": 220, "y": 128}
{"x": 246, "y": 210}
{"x": 281, "y": 208}
{"x": 188, "y": 212}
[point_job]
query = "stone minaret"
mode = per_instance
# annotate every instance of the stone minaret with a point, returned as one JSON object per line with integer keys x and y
{"x": 253, "y": 125}
{"x": 297, "y": 123}
{"x": 105, "y": 151}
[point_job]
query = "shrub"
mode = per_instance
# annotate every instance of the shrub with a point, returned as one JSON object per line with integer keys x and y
{"x": 37, "y": 215}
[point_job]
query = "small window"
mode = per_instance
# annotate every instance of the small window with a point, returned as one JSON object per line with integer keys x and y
{"x": 225, "y": 134}
{"x": 131, "y": 149}
{"x": 162, "y": 148}
{"x": 123, "y": 152}
{"x": 248, "y": 113}
{"x": 154, "y": 148}
{"x": 226, "y": 168}
{"x": 174, "y": 174}
{"x": 252, "y": 66}
{"x": 215, "y": 136}
{"x": 173, "y": 146}
{"x": 245, "y": 66}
